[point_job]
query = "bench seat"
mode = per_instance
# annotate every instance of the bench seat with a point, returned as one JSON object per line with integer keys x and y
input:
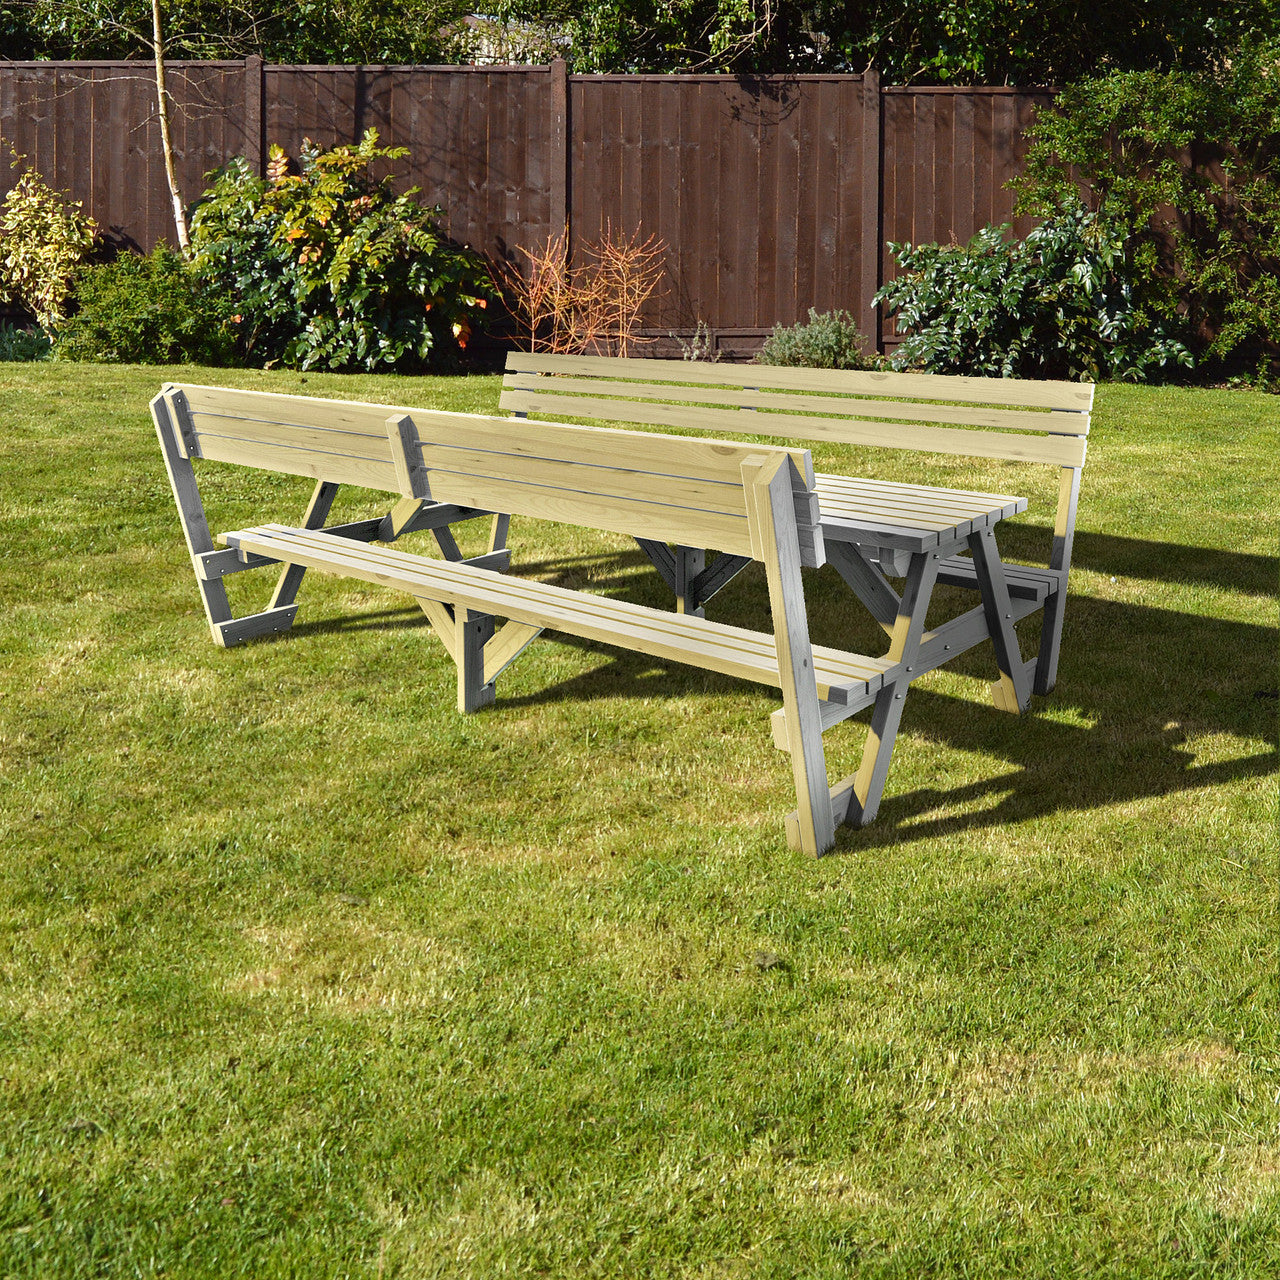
{"x": 1025, "y": 581}
{"x": 846, "y": 679}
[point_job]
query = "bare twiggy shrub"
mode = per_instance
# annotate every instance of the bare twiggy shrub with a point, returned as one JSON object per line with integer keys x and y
{"x": 592, "y": 308}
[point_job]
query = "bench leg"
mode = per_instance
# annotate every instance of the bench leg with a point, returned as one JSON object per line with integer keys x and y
{"x": 473, "y": 632}
{"x": 480, "y": 650}
{"x": 316, "y": 514}
{"x": 690, "y": 562}
{"x": 1012, "y": 692}
{"x": 811, "y": 827}
{"x": 498, "y": 533}
{"x": 170, "y": 414}
{"x": 1046, "y": 668}
{"x": 685, "y": 571}
{"x": 867, "y": 787}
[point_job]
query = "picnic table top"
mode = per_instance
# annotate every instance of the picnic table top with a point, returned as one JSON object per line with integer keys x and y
{"x": 908, "y": 517}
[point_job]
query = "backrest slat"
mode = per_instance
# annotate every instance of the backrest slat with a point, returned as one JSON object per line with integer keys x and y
{"x": 1021, "y": 421}
{"x": 1028, "y": 394}
{"x": 1056, "y": 449}
{"x": 301, "y": 435}
{"x": 534, "y": 392}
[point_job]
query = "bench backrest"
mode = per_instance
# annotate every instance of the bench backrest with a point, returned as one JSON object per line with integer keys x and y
{"x": 1022, "y": 421}
{"x": 672, "y": 489}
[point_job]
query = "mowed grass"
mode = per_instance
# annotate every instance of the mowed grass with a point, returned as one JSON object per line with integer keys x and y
{"x": 305, "y": 975}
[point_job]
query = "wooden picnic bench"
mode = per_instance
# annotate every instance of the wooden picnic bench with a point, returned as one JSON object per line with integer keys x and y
{"x": 751, "y": 502}
{"x": 872, "y": 528}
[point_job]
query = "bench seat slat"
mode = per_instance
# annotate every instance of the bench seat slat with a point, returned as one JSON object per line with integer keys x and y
{"x": 1025, "y": 581}
{"x": 733, "y": 651}
{"x": 855, "y": 666}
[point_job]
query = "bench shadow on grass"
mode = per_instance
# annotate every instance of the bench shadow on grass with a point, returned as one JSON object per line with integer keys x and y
{"x": 1138, "y": 681}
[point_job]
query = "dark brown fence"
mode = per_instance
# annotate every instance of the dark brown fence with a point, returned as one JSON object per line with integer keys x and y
{"x": 773, "y": 194}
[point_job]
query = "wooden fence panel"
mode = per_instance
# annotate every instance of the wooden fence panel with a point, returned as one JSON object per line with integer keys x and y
{"x": 773, "y": 194}
{"x": 948, "y": 154}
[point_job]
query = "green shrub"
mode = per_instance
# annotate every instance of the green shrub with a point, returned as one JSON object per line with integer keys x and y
{"x": 330, "y": 269}
{"x": 1066, "y": 302}
{"x": 150, "y": 310}
{"x": 831, "y": 340}
{"x": 17, "y": 344}
{"x": 43, "y": 238}
{"x": 1187, "y": 163}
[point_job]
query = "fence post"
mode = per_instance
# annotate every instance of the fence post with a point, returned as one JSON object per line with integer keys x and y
{"x": 255, "y": 88}
{"x": 872, "y": 229}
{"x": 559, "y": 159}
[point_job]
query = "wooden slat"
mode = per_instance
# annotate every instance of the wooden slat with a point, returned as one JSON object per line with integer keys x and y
{"x": 292, "y": 435}
{"x": 837, "y": 663}
{"x": 912, "y": 504}
{"x": 660, "y": 488}
{"x": 719, "y": 460}
{"x": 302, "y": 462}
{"x": 1027, "y": 394}
{"x": 520, "y": 390}
{"x": 358, "y": 417}
{"x": 637, "y": 518}
{"x": 1067, "y": 451}
{"x": 839, "y": 666}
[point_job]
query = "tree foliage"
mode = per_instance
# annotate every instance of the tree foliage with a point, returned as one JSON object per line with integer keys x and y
{"x": 949, "y": 42}
{"x": 321, "y": 31}
{"x": 1187, "y": 163}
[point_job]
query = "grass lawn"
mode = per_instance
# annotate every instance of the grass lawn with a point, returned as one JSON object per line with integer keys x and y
{"x": 305, "y": 975}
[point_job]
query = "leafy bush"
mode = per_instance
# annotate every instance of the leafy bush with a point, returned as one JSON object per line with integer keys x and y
{"x": 43, "y": 238}
{"x": 1187, "y": 164}
{"x": 831, "y": 340}
{"x": 23, "y": 344}
{"x": 330, "y": 269}
{"x": 1066, "y": 302}
{"x": 150, "y": 310}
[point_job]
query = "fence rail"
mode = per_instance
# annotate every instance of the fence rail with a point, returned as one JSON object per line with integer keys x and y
{"x": 774, "y": 194}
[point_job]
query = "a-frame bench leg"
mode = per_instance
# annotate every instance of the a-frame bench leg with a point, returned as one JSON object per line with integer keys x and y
{"x": 867, "y": 787}
{"x": 210, "y": 563}
{"x": 1046, "y": 673}
{"x": 480, "y": 650}
{"x": 812, "y": 826}
{"x": 1012, "y": 692}
{"x": 316, "y": 514}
